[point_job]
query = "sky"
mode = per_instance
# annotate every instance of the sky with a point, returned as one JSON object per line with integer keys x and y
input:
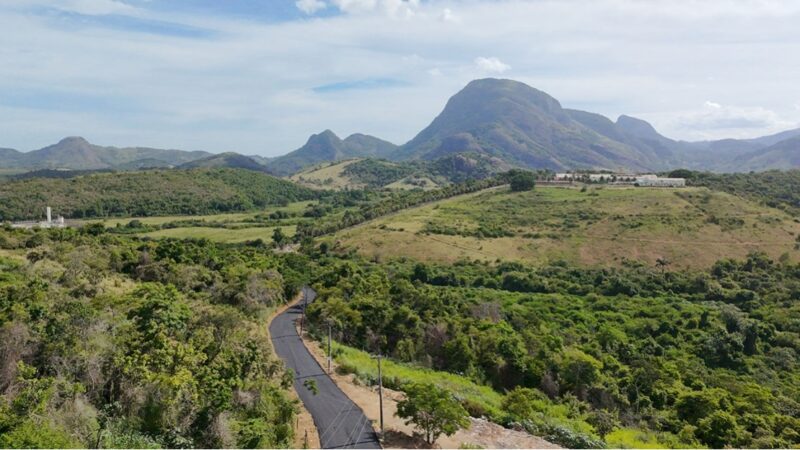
{"x": 260, "y": 76}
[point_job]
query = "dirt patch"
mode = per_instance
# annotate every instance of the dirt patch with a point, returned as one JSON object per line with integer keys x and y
{"x": 397, "y": 434}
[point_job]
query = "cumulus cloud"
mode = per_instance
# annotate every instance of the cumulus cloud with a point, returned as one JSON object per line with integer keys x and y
{"x": 249, "y": 84}
{"x": 310, "y": 6}
{"x": 393, "y": 8}
{"x": 731, "y": 120}
{"x": 491, "y": 65}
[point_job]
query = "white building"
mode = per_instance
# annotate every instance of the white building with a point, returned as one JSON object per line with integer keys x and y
{"x": 49, "y": 223}
{"x": 655, "y": 181}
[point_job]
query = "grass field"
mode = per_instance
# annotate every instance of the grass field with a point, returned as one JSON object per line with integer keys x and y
{"x": 223, "y": 235}
{"x": 396, "y": 374}
{"x": 691, "y": 227}
{"x": 327, "y": 177}
{"x": 232, "y": 218}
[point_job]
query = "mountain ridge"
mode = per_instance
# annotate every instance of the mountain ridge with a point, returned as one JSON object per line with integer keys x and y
{"x": 501, "y": 119}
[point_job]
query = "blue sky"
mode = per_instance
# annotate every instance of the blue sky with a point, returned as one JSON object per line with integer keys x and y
{"x": 260, "y": 76}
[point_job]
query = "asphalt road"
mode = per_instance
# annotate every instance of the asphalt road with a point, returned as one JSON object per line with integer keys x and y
{"x": 339, "y": 421}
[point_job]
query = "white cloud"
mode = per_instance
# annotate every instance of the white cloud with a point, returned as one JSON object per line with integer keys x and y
{"x": 715, "y": 120}
{"x": 392, "y": 8}
{"x": 492, "y": 65}
{"x": 310, "y": 6}
{"x": 99, "y": 7}
{"x": 448, "y": 15}
{"x": 248, "y": 87}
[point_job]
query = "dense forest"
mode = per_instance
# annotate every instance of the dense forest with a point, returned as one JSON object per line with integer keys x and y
{"x": 147, "y": 193}
{"x": 704, "y": 358}
{"x": 110, "y": 341}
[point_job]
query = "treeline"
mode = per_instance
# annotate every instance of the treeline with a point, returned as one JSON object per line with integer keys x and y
{"x": 109, "y": 341}
{"x": 376, "y": 173}
{"x": 695, "y": 358}
{"x": 147, "y": 193}
{"x": 393, "y": 202}
{"x": 774, "y": 188}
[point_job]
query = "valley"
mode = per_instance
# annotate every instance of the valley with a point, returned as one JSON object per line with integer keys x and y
{"x": 392, "y": 224}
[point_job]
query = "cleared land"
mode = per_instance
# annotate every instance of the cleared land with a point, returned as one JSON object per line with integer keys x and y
{"x": 231, "y": 218}
{"x": 327, "y": 177}
{"x": 223, "y": 235}
{"x": 691, "y": 227}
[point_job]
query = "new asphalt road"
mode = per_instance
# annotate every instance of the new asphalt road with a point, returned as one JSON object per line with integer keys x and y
{"x": 340, "y": 422}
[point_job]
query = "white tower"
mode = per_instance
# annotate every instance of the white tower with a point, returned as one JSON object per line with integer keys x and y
{"x": 49, "y": 215}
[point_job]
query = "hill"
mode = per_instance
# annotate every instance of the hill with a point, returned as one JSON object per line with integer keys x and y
{"x": 328, "y": 147}
{"x": 692, "y": 227}
{"x": 225, "y": 160}
{"x": 77, "y": 153}
{"x": 147, "y": 193}
{"x": 773, "y": 188}
{"x": 378, "y": 173}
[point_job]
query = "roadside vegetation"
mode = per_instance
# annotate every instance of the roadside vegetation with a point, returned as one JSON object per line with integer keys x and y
{"x": 630, "y": 355}
{"x": 111, "y": 341}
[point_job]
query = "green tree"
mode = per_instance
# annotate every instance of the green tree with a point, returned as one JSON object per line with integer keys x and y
{"x": 578, "y": 370}
{"x": 718, "y": 430}
{"x": 278, "y": 237}
{"x": 434, "y": 411}
{"x": 521, "y": 180}
{"x": 603, "y": 421}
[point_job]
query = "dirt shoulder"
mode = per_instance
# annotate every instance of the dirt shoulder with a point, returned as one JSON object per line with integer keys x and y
{"x": 481, "y": 433}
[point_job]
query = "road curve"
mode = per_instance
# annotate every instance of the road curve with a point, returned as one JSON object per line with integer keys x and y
{"x": 339, "y": 421}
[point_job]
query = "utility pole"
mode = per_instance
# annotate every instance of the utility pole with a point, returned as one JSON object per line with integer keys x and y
{"x": 380, "y": 390}
{"x": 329, "y": 347}
{"x": 303, "y": 317}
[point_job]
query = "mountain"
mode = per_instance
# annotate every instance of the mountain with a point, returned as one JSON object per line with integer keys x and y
{"x": 76, "y": 153}
{"x": 775, "y": 138}
{"x": 781, "y": 155}
{"x": 522, "y": 126}
{"x": 327, "y": 147}
{"x": 230, "y": 160}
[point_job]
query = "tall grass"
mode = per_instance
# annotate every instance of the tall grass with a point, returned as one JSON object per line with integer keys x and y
{"x": 479, "y": 400}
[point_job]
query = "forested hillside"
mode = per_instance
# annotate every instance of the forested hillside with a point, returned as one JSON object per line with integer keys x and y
{"x": 147, "y": 193}
{"x": 639, "y": 356}
{"x": 113, "y": 342}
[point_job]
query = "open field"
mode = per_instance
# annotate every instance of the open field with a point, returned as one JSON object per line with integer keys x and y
{"x": 223, "y": 235}
{"x": 327, "y": 177}
{"x": 691, "y": 227}
{"x": 244, "y": 217}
